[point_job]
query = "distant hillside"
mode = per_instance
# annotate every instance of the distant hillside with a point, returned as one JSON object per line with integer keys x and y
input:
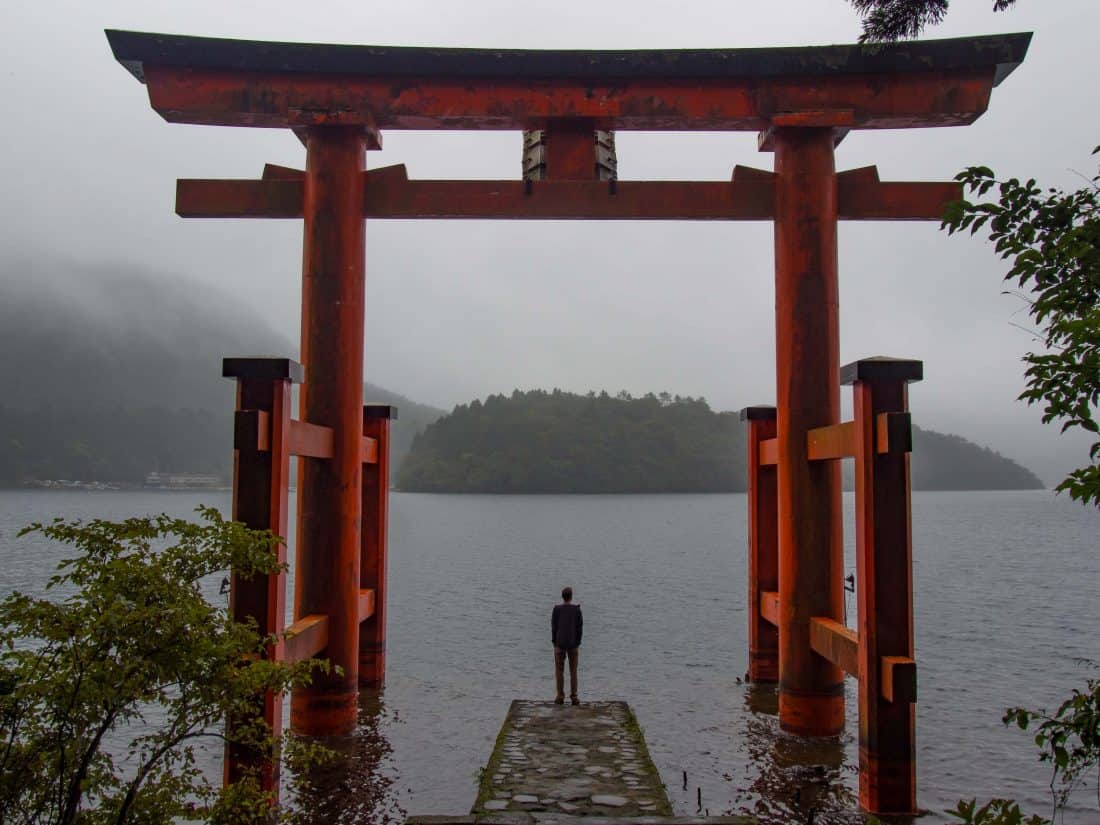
{"x": 950, "y": 462}
{"x": 558, "y": 442}
{"x": 111, "y": 374}
{"x": 412, "y": 418}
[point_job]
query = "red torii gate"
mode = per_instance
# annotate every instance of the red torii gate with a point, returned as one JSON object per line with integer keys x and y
{"x": 802, "y": 101}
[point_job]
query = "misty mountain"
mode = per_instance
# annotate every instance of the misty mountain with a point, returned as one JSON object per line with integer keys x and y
{"x": 559, "y": 442}
{"x": 98, "y": 339}
{"x": 951, "y": 462}
{"x": 112, "y": 373}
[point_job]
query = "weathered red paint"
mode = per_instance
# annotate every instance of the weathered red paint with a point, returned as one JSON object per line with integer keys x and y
{"x": 306, "y": 638}
{"x": 877, "y": 101}
{"x": 811, "y": 689}
{"x": 570, "y": 150}
{"x": 834, "y": 441}
{"x": 898, "y": 679}
{"x": 763, "y": 576}
{"x": 893, "y": 432}
{"x": 366, "y": 606}
{"x": 392, "y": 195}
{"x": 769, "y": 606}
{"x": 884, "y": 590}
{"x": 835, "y": 642}
{"x": 373, "y": 565}
{"x": 260, "y": 502}
{"x": 310, "y": 440}
{"x": 329, "y": 491}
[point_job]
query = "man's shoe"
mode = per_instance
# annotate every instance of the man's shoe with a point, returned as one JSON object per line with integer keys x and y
{"x": 560, "y": 700}
{"x": 574, "y": 700}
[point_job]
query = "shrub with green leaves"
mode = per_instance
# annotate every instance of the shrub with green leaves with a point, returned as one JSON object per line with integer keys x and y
{"x": 114, "y": 681}
{"x": 1068, "y": 739}
{"x": 994, "y": 812}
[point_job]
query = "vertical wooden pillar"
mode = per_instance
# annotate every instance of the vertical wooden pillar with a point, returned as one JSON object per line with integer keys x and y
{"x": 884, "y": 584}
{"x": 329, "y": 491}
{"x": 811, "y": 689}
{"x": 763, "y": 546}
{"x": 260, "y": 501}
{"x": 372, "y": 569}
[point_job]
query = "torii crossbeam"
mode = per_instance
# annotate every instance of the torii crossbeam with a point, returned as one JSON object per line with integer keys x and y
{"x": 802, "y": 101}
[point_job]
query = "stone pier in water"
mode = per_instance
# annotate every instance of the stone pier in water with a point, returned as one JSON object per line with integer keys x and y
{"x": 559, "y": 763}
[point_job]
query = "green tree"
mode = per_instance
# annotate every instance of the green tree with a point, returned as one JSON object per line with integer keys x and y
{"x": 1051, "y": 239}
{"x": 888, "y": 20}
{"x": 113, "y": 682}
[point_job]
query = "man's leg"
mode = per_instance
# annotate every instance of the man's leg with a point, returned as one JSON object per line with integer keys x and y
{"x": 573, "y": 654}
{"x": 559, "y": 674}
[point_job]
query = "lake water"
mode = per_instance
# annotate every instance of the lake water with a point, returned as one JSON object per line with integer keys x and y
{"x": 1005, "y": 593}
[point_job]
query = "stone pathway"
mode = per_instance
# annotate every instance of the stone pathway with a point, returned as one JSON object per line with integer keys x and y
{"x": 584, "y": 760}
{"x": 565, "y": 765}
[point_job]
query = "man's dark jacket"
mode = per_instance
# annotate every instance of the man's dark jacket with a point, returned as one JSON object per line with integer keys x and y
{"x": 566, "y": 625}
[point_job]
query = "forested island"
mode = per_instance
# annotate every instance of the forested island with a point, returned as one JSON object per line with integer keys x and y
{"x": 560, "y": 442}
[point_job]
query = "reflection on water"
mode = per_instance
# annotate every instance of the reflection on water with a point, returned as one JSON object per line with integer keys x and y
{"x": 1005, "y": 602}
{"x": 357, "y": 786}
{"x": 790, "y": 778}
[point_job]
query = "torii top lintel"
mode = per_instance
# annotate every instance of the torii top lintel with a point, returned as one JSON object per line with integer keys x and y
{"x": 289, "y": 85}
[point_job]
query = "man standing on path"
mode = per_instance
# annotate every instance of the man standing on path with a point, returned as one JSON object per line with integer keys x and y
{"x": 565, "y": 634}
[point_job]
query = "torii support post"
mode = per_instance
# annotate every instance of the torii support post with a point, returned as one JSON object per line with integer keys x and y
{"x": 763, "y": 575}
{"x": 260, "y": 502}
{"x": 884, "y": 583}
{"x": 330, "y": 492}
{"x": 811, "y": 560}
{"x": 372, "y": 569}
{"x": 880, "y": 654}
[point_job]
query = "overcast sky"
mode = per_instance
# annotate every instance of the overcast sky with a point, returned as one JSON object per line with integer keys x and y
{"x": 464, "y": 309}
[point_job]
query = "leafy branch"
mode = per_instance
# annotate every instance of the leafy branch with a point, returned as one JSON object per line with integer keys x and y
{"x": 1051, "y": 240}
{"x": 889, "y": 20}
{"x": 111, "y": 684}
{"x": 1068, "y": 739}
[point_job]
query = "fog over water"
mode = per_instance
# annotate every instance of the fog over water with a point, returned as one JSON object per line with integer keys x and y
{"x": 457, "y": 311}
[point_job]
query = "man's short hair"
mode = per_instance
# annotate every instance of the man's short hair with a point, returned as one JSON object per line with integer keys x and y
{"x": 567, "y": 594}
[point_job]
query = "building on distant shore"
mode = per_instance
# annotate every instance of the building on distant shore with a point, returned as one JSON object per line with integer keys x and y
{"x": 70, "y": 484}
{"x": 183, "y": 481}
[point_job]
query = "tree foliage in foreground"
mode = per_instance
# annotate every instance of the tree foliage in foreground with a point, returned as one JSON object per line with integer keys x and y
{"x": 1051, "y": 239}
{"x": 111, "y": 685}
{"x": 1068, "y": 740}
{"x": 889, "y": 20}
